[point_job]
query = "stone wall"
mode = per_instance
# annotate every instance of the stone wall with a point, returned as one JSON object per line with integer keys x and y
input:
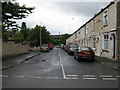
{"x": 11, "y": 48}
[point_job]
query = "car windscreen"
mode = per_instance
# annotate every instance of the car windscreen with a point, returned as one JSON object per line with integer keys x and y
{"x": 86, "y": 49}
{"x": 74, "y": 46}
{"x": 45, "y": 45}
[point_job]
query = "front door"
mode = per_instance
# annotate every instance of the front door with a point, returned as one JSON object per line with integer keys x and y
{"x": 113, "y": 46}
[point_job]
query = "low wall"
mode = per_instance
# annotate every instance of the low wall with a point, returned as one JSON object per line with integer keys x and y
{"x": 12, "y": 49}
{"x": 34, "y": 48}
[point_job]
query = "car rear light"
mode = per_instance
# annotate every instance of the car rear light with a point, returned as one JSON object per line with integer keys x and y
{"x": 82, "y": 52}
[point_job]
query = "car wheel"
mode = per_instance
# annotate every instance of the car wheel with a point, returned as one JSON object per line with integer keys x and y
{"x": 92, "y": 59}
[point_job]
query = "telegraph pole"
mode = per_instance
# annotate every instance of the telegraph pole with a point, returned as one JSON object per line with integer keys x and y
{"x": 40, "y": 38}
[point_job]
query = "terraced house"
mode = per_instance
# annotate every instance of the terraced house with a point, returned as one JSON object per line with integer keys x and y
{"x": 102, "y": 32}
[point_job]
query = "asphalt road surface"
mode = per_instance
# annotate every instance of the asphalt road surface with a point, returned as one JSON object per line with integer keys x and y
{"x": 57, "y": 69}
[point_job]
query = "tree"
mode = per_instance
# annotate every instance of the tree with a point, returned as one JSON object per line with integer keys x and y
{"x": 63, "y": 38}
{"x": 18, "y": 37}
{"x": 13, "y": 11}
{"x": 34, "y": 36}
{"x": 24, "y": 30}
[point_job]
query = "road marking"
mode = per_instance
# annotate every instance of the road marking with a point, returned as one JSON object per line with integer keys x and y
{"x": 52, "y": 77}
{"x": 106, "y": 76}
{"x": 90, "y": 78}
{"x": 60, "y": 59}
{"x": 109, "y": 78}
{"x": 59, "y": 54}
{"x": 71, "y": 75}
{"x": 117, "y": 76}
{"x": 88, "y": 75}
{"x": 20, "y": 76}
{"x": 34, "y": 77}
{"x": 63, "y": 71}
{"x": 70, "y": 78}
{"x": 3, "y": 75}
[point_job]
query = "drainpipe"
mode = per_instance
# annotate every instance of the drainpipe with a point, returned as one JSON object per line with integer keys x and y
{"x": 118, "y": 29}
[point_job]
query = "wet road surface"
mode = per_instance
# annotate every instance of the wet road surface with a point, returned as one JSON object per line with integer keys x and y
{"x": 57, "y": 69}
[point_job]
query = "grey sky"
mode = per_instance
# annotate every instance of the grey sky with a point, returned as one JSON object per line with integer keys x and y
{"x": 61, "y": 17}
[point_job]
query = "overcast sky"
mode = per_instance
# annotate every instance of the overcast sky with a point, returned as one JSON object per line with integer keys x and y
{"x": 61, "y": 16}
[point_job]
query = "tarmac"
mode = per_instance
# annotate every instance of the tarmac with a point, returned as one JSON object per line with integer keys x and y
{"x": 12, "y": 62}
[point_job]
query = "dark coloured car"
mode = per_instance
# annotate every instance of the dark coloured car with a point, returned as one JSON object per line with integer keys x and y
{"x": 72, "y": 48}
{"x": 84, "y": 53}
{"x": 45, "y": 48}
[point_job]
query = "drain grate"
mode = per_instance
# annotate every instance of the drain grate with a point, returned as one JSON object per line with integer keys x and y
{"x": 44, "y": 60}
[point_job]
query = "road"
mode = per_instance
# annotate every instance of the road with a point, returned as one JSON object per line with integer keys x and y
{"x": 57, "y": 69}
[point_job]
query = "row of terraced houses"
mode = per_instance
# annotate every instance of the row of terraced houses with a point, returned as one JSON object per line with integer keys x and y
{"x": 101, "y": 33}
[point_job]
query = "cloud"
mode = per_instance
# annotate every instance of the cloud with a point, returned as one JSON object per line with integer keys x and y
{"x": 81, "y": 8}
{"x": 60, "y": 17}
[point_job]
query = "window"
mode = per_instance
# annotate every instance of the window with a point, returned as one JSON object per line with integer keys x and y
{"x": 105, "y": 38}
{"x": 94, "y": 25}
{"x": 86, "y": 29}
{"x": 105, "y": 17}
{"x": 75, "y": 35}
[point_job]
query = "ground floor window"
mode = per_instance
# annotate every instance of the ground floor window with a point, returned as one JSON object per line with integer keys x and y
{"x": 105, "y": 39}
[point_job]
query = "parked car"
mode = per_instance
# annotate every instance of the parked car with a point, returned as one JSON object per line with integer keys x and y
{"x": 45, "y": 48}
{"x": 57, "y": 46}
{"x": 50, "y": 46}
{"x": 84, "y": 53}
{"x": 71, "y": 48}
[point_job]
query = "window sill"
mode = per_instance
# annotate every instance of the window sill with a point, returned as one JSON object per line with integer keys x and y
{"x": 104, "y": 50}
{"x": 105, "y": 25}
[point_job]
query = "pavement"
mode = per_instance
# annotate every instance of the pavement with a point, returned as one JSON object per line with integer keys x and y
{"x": 115, "y": 64}
{"x": 11, "y": 62}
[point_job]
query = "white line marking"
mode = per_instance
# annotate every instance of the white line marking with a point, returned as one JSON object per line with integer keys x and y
{"x": 60, "y": 59}
{"x": 3, "y": 75}
{"x": 117, "y": 76}
{"x": 63, "y": 71}
{"x": 109, "y": 78}
{"x": 20, "y": 76}
{"x": 72, "y": 75}
{"x": 90, "y": 78}
{"x": 52, "y": 77}
{"x": 34, "y": 77}
{"x": 106, "y": 76}
{"x": 88, "y": 75}
{"x": 71, "y": 78}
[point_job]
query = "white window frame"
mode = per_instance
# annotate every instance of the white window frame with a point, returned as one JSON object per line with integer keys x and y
{"x": 86, "y": 29}
{"x": 105, "y": 41}
{"x": 94, "y": 42}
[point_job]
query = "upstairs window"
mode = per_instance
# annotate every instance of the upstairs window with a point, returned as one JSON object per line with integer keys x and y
{"x": 86, "y": 29}
{"x": 94, "y": 25}
{"x": 105, "y": 17}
